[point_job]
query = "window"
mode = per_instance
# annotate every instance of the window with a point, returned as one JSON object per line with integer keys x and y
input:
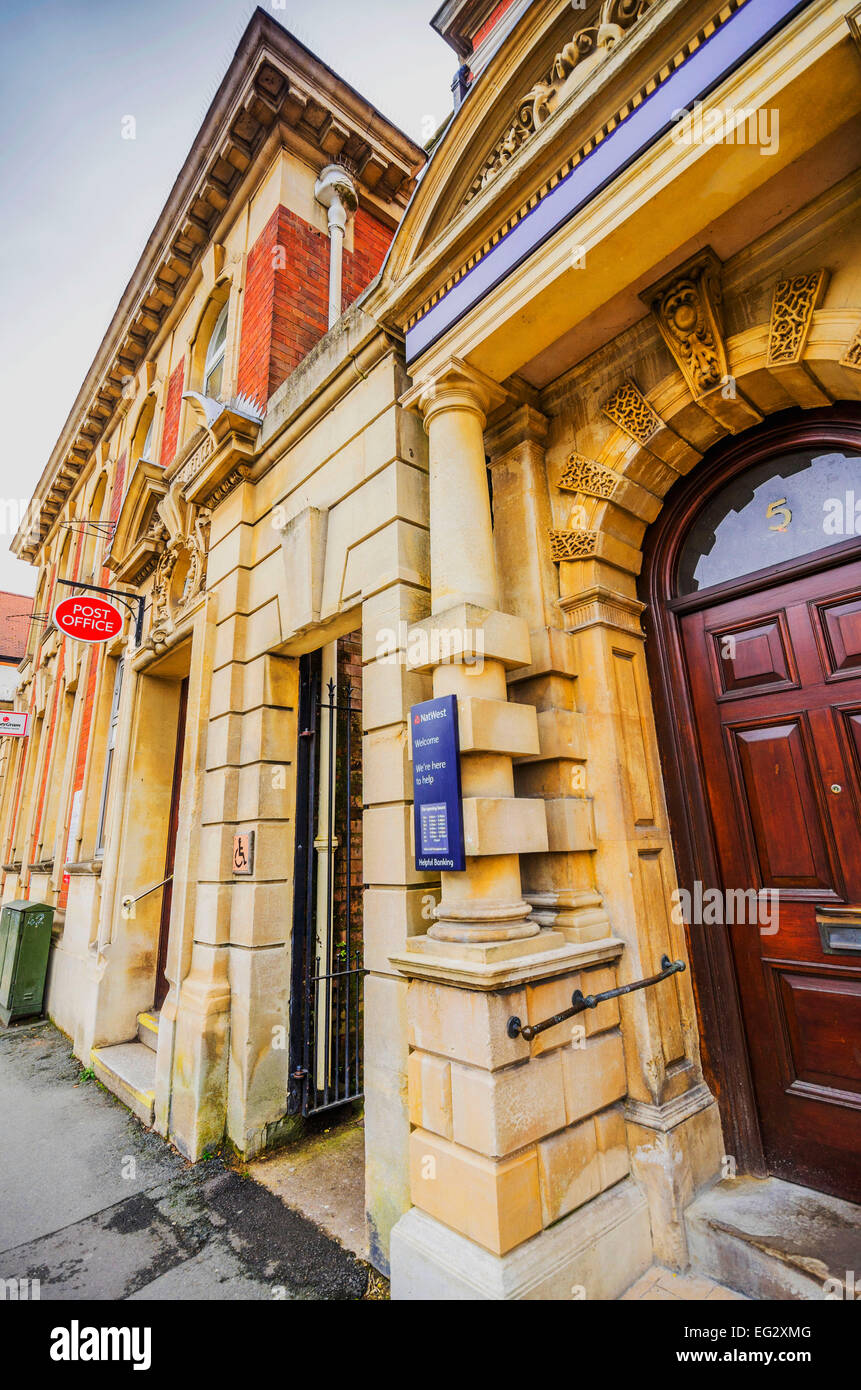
{"x": 793, "y": 505}
{"x": 109, "y": 759}
{"x": 213, "y": 370}
{"x": 94, "y": 536}
{"x": 147, "y": 444}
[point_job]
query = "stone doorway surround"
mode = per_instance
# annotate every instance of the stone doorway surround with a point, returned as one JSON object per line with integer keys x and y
{"x": 603, "y": 873}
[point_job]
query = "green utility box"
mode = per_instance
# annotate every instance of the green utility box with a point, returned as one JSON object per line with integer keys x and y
{"x": 25, "y": 940}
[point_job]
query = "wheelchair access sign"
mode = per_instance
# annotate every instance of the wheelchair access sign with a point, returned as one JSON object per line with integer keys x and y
{"x": 438, "y": 808}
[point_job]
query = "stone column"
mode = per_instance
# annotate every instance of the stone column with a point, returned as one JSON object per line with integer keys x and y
{"x": 559, "y": 885}
{"x": 485, "y": 903}
{"x": 509, "y": 1136}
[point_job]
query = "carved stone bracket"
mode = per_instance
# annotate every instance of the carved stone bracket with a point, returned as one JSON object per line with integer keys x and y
{"x": 220, "y": 461}
{"x": 573, "y": 544}
{"x": 792, "y": 307}
{"x": 629, "y": 409}
{"x": 587, "y": 47}
{"x": 584, "y": 475}
{"x": 180, "y": 577}
{"x": 686, "y": 305}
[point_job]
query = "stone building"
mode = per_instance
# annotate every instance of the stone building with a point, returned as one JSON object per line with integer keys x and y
{"x": 579, "y": 447}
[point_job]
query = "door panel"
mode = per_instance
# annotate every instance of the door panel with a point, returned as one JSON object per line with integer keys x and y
{"x": 777, "y": 795}
{"x": 821, "y": 1017}
{"x": 840, "y": 624}
{"x": 752, "y": 658}
{"x": 775, "y": 683}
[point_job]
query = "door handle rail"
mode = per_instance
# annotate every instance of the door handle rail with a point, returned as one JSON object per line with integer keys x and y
{"x": 580, "y": 1001}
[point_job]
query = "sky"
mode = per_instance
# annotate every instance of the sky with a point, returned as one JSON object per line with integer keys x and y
{"x": 80, "y": 200}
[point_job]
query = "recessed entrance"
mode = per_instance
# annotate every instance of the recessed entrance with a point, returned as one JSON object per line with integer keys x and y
{"x": 162, "y": 984}
{"x": 327, "y": 996}
{"x": 754, "y": 594}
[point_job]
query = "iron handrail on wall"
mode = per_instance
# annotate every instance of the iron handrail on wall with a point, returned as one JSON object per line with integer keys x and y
{"x": 128, "y": 899}
{"x": 581, "y": 1001}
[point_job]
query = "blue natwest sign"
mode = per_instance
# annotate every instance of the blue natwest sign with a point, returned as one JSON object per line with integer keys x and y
{"x": 436, "y": 785}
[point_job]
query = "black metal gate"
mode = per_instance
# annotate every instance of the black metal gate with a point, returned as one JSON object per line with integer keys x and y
{"x": 326, "y": 1007}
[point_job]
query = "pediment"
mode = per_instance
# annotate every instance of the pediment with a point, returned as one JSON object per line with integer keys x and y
{"x": 139, "y": 534}
{"x": 549, "y": 64}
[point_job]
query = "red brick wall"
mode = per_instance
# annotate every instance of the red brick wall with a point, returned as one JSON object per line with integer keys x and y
{"x": 286, "y": 305}
{"x": 490, "y": 23}
{"x": 285, "y": 310}
{"x": 117, "y": 493}
{"x": 371, "y": 241}
{"x": 171, "y": 414}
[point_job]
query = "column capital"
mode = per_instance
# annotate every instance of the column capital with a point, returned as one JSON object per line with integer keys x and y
{"x": 524, "y": 425}
{"x": 454, "y": 385}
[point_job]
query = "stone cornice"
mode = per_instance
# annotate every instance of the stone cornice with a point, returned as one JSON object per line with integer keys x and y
{"x": 272, "y": 81}
{"x": 467, "y": 968}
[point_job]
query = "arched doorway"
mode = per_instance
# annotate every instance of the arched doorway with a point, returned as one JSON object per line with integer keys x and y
{"x": 752, "y": 583}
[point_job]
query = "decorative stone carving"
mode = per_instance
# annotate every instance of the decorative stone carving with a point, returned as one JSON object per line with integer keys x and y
{"x": 601, "y": 606}
{"x": 584, "y": 475}
{"x": 180, "y": 574}
{"x": 852, "y": 355}
{"x": 629, "y": 409}
{"x": 225, "y": 487}
{"x": 588, "y": 47}
{"x": 791, "y": 316}
{"x": 686, "y": 305}
{"x": 573, "y": 544}
{"x": 195, "y": 462}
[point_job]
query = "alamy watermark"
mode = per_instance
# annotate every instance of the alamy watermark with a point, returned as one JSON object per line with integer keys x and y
{"x": 728, "y": 125}
{"x": 709, "y": 907}
{"x": 435, "y": 646}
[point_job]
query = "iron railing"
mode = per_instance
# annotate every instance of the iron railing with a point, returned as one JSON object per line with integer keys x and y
{"x": 327, "y": 996}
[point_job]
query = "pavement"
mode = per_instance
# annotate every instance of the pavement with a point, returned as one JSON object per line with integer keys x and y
{"x": 659, "y": 1285}
{"x": 324, "y": 1178}
{"x": 95, "y": 1206}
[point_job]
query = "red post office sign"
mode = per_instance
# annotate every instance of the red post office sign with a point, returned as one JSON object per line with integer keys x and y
{"x": 87, "y": 618}
{"x": 13, "y": 724}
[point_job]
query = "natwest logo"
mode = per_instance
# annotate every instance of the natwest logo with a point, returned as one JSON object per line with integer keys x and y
{"x": 13, "y": 724}
{"x": 88, "y": 619}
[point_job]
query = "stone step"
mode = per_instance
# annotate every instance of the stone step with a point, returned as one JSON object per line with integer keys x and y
{"x": 771, "y": 1239}
{"x": 128, "y": 1070}
{"x": 148, "y": 1030}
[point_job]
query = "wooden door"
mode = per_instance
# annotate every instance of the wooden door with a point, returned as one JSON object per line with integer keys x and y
{"x": 775, "y": 683}
{"x": 162, "y": 984}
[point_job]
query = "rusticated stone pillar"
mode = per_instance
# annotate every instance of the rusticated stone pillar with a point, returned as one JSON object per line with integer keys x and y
{"x": 518, "y": 1163}
{"x": 485, "y": 903}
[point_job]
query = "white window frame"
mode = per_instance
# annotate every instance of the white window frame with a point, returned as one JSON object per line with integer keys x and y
{"x": 215, "y": 351}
